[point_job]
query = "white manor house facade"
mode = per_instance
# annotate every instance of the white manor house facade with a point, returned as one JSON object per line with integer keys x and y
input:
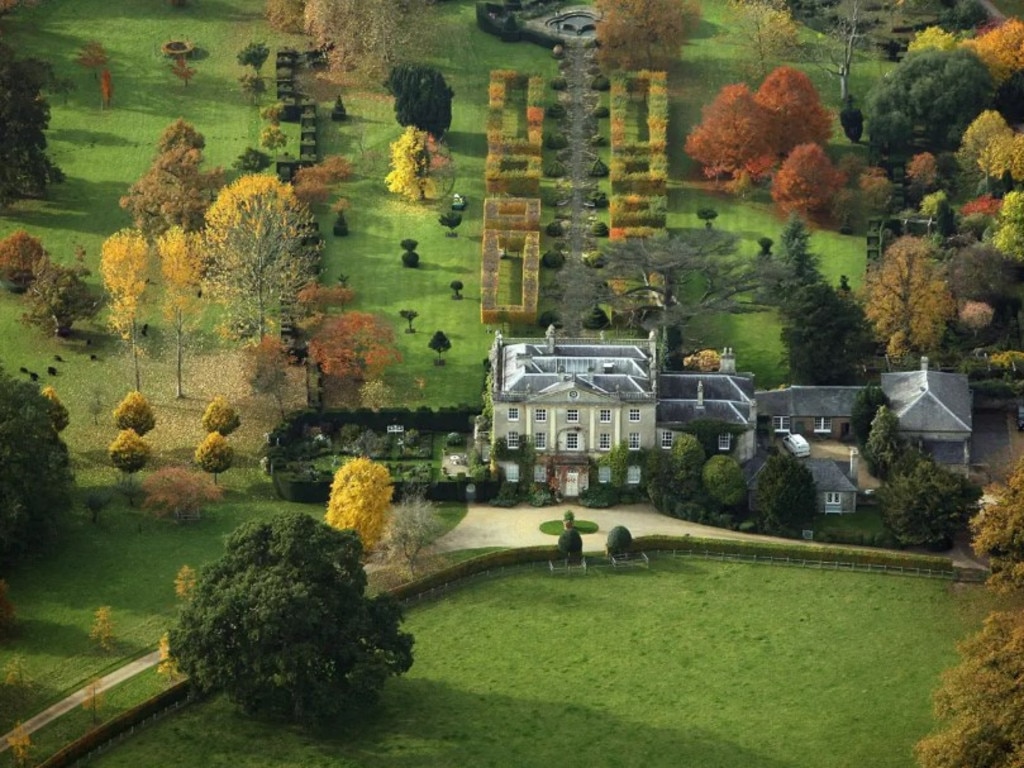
{"x": 574, "y": 400}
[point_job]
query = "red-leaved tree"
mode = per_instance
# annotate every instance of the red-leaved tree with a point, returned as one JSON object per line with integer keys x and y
{"x": 807, "y": 182}
{"x": 794, "y": 111}
{"x": 355, "y": 345}
{"x": 732, "y": 137}
{"x": 21, "y": 255}
{"x": 178, "y": 492}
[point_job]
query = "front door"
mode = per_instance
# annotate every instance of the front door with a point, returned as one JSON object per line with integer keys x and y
{"x": 572, "y": 483}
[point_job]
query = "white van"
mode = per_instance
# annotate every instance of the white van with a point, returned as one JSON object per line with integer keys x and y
{"x": 797, "y": 445}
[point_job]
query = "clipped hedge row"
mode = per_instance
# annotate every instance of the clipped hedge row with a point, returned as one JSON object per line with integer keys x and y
{"x": 526, "y": 310}
{"x": 516, "y": 175}
{"x": 108, "y": 731}
{"x": 512, "y": 214}
{"x": 445, "y": 419}
{"x": 291, "y": 487}
{"x": 473, "y": 566}
{"x": 796, "y": 551}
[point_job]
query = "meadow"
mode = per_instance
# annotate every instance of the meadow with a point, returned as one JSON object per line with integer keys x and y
{"x": 689, "y": 663}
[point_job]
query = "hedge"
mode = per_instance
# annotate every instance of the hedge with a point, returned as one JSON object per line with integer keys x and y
{"x": 106, "y": 732}
{"x": 473, "y": 566}
{"x": 446, "y": 419}
{"x": 301, "y": 491}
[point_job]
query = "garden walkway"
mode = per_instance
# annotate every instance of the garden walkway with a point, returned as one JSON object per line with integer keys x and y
{"x": 579, "y": 101}
{"x": 64, "y": 706}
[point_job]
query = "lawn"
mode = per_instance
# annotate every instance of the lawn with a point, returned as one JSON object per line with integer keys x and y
{"x": 677, "y": 665}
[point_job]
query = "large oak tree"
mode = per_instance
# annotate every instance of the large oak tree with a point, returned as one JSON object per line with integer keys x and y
{"x": 635, "y": 34}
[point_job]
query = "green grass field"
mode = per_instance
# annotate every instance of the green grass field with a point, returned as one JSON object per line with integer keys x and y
{"x": 689, "y": 663}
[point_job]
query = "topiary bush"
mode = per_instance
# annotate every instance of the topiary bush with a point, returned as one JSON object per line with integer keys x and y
{"x": 601, "y": 83}
{"x": 508, "y": 496}
{"x": 554, "y": 169}
{"x": 600, "y": 111}
{"x": 559, "y": 83}
{"x": 599, "y": 229}
{"x": 554, "y": 229}
{"x": 252, "y": 161}
{"x": 555, "y": 111}
{"x": 619, "y": 540}
{"x": 599, "y": 497}
{"x": 555, "y": 140}
{"x": 411, "y": 259}
{"x": 570, "y": 542}
{"x": 553, "y": 259}
{"x": 598, "y": 169}
{"x": 598, "y": 141}
{"x": 596, "y": 320}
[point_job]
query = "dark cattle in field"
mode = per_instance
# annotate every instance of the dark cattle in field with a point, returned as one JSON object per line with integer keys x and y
{"x": 51, "y": 370}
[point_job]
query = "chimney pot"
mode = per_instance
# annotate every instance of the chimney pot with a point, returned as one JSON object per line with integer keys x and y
{"x": 924, "y": 362}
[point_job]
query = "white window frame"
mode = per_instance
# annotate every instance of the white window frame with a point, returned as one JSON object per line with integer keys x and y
{"x": 572, "y": 416}
{"x": 604, "y": 475}
{"x": 540, "y": 441}
{"x": 572, "y": 437}
{"x": 540, "y": 415}
{"x": 823, "y": 425}
{"x": 667, "y": 438}
{"x": 725, "y": 442}
{"x": 512, "y": 473}
{"x": 634, "y": 441}
{"x": 512, "y": 440}
{"x": 634, "y": 415}
{"x": 513, "y": 413}
{"x": 604, "y": 441}
{"x": 633, "y": 474}
{"x": 833, "y": 501}
{"x": 540, "y": 473}
{"x": 780, "y": 424}
{"x": 605, "y": 415}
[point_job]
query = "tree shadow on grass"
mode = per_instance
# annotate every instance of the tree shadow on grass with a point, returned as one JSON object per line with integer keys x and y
{"x": 466, "y": 143}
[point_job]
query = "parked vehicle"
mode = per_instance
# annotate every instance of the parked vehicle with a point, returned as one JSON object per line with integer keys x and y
{"x": 797, "y": 445}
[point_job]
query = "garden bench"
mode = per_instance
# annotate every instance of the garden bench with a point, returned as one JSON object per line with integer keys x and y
{"x": 568, "y": 565}
{"x": 630, "y": 560}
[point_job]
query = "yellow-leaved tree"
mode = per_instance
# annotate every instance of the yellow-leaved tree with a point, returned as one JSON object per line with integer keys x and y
{"x": 987, "y": 145}
{"x": 933, "y": 38}
{"x": 258, "y": 252}
{"x": 769, "y": 32}
{"x": 410, "y": 166}
{"x": 1009, "y": 236}
{"x": 906, "y": 297}
{"x": 59, "y": 417}
{"x": 360, "y": 499}
{"x": 124, "y": 265}
{"x": 181, "y": 266}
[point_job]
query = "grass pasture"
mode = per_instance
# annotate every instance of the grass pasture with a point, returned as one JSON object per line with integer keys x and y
{"x": 689, "y": 663}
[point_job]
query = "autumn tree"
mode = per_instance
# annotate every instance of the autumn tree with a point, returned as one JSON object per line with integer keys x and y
{"x": 167, "y": 667}
{"x": 412, "y": 527}
{"x": 793, "y": 109}
{"x": 1001, "y": 49}
{"x": 106, "y": 88}
{"x": 998, "y": 531}
{"x": 181, "y": 70}
{"x": 220, "y": 417}
{"x": 906, "y": 297}
{"x": 255, "y": 250}
{"x": 355, "y": 345}
{"x": 410, "y": 166}
{"x": 635, "y": 34}
{"x": 768, "y": 31}
{"x": 267, "y": 369}
{"x": 129, "y": 452}
{"x": 185, "y": 582}
{"x": 93, "y": 699}
{"x": 21, "y": 256}
{"x": 178, "y": 492}
{"x": 59, "y": 416}
{"x": 375, "y": 394}
{"x": 215, "y": 455}
{"x": 1009, "y": 235}
{"x": 979, "y": 702}
{"x": 933, "y": 38}
{"x": 732, "y": 137}
{"x": 20, "y": 742}
{"x": 360, "y": 499}
{"x": 124, "y": 266}
{"x": 313, "y": 184}
{"x": 134, "y": 412}
{"x": 367, "y": 36}
{"x": 60, "y": 296}
{"x": 181, "y": 266}
{"x": 423, "y": 99}
{"x": 102, "y": 631}
{"x": 807, "y": 181}
{"x": 175, "y": 191}
{"x": 987, "y": 146}
{"x": 25, "y": 169}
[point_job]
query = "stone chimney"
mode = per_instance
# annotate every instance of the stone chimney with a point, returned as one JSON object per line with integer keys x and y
{"x": 550, "y": 336}
{"x": 728, "y": 362}
{"x": 924, "y": 362}
{"x": 854, "y": 466}
{"x": 700, "y": 395}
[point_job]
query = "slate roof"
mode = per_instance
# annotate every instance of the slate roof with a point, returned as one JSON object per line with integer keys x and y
{"x": 727, "y": 398}
{"x": 929, "y": 401}
{"x": 832, "y": 402}
{"x": 829, "y": 476}
{"x": 601, "y": 368}
{"x": 944, "y": 451}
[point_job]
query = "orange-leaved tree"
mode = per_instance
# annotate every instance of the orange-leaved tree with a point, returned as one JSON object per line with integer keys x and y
{"x": 1001, "y": 49}
{"x": 906, "y": 298}
{"x": 124, "y": 265}
{"x": 360, "y": 499}
{"x": 636, "y": 34}
{"x": 807, "y": 182}
{"x": 356, "y": 345}
{"x": 21, "y": 256}
{"x": 106, "y": 88}
{"x": 999, "y": 533}
{"x": 267, "y": 369}
{"x": 732, "y": 137}
{"x": 134, "y": 412}
{"x": 795, "y": 113}
{"x": 181, "y": 266}
{"x": 178, "y": 492}
{"x": 410, "y": 166}
{"x": 257, "y": 257}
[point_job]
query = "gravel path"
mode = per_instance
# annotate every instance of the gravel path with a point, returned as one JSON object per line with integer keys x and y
{"x": 579, "y": 100}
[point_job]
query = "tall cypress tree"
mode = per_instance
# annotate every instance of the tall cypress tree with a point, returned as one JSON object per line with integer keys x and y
{"x": 422, "y": 98}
